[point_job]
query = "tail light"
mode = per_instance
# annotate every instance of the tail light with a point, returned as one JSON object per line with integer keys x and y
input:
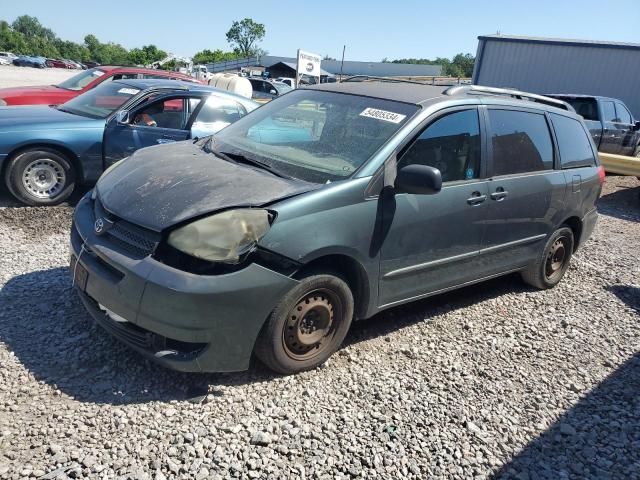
{"x": 601, "y": 174}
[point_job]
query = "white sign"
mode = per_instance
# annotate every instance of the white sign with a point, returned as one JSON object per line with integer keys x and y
{"x": 128, "y": 91}
{"x": 308, "y": 64}
{"x": 382, "y": 115}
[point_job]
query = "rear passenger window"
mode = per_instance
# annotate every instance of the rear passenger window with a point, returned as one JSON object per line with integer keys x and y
{"x": 608, "y": 112}
{"x": 521, "y": 142}
{"x": 217, "y": 109}
{"x": 451, "y": 144}
{"x": 623, "y": 114}
{"x": 573, "y": 142}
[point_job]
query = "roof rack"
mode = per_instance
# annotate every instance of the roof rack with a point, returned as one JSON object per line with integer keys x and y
{"x": 553, "y": 102}
{"x": 364, "y": 78}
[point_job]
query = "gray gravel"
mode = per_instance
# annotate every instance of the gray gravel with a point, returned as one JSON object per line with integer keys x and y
{"x": 11, "y": 76}
{"x": 494, "y": 380}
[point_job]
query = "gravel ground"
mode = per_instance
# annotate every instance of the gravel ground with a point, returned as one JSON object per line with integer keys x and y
{"x": 11, "y": 76}
{"x": 496, "y": 380}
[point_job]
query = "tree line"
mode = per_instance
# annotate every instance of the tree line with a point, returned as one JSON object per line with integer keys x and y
{"x": 27, "y": 36}
{"x": 459, "y": 66}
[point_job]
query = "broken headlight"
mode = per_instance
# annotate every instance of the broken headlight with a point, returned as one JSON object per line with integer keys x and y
{"x": 224, "y": 237}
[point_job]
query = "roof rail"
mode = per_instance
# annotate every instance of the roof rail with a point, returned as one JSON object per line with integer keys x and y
{"x": 364, "y": 78}
{"x": 553, "y": 102}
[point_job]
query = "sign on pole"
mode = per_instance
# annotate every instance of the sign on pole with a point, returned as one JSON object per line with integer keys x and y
{"x": 308, "y": 64}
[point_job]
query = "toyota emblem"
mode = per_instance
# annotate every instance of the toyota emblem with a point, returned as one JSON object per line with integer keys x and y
{"x": 99, "y": 226}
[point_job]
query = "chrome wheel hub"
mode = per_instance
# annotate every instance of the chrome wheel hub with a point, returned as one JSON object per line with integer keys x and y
{"x": 44, "y": 178}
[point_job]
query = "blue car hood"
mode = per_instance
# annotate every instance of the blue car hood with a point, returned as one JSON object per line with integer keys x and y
{"x": 16, "y": 118}
{"x": 161, "y": 186}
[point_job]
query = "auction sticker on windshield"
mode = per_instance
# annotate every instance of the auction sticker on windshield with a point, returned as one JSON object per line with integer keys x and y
{"x": 128, "y": 91}
{"x": 383, "y": 115}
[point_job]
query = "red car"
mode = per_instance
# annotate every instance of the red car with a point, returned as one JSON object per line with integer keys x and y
{"x": 80, "y": 83}
{"x": 53, "y": 63}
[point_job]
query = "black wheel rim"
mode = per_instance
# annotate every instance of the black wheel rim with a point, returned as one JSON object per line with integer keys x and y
{"x": 556, "y": 259}
{"x": 311, "y": 324}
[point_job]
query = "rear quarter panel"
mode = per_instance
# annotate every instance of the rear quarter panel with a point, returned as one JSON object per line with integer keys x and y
{"x": 84, "y": 142}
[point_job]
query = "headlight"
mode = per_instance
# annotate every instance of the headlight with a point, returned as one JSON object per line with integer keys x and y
{"x": 2, "y": 103}
{"x": 224, "y": 237}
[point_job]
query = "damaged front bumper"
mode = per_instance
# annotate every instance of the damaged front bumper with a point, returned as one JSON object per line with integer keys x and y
{"x": 184, "y": 321}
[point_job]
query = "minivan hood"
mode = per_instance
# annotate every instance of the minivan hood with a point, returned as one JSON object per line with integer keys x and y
{"x": 160, "y": 186}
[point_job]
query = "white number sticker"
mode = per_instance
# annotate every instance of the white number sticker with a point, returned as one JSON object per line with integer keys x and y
{"x": 383, "y": 115}
{"x": 128, "y": 91}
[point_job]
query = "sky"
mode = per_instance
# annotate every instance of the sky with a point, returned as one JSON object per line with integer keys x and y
{"x": 371, "y": 30}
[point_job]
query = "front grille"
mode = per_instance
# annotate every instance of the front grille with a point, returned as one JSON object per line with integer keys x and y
{"x": 139, "y": 337}
{"x": 131, "y": 238}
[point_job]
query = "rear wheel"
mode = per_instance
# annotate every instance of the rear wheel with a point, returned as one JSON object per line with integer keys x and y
{"x": 549, "y": 268}
{"x": 307, "y": 326}
{"x": 40, "y": 177}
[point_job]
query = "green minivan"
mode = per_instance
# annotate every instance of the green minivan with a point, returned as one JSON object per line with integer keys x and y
{"x": 328, "y": 205}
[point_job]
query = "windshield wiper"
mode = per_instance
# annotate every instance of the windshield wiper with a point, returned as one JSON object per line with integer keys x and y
{"x": 58, "y": 107}
{"x": 239, "y": 158}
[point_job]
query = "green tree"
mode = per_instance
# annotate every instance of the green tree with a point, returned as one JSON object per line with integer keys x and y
{"x": 31, "y": 27}
{"x": 209, "y": 56}
{"x": 464, "y": 64}
{"x": 460, "y": 66}
{"x": 244, "y": 36}
{"x": 11, "y": 40}
{"x": 28, "y": 36}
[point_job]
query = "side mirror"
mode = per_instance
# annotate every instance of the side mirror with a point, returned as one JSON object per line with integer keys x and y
{"x": 636, "y": 126}
{"x": 273, "y": 92}
{"x": 122, "y": 116}
{"x": 419, "y": 180}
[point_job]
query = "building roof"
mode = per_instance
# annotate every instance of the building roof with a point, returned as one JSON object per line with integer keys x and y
{"x": 293, "y": 66}
{"x": 559, "y": 41}
{"x": 399, "y": 91}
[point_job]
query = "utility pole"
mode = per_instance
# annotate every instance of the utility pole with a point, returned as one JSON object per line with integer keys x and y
{"x": 344, "y": 47}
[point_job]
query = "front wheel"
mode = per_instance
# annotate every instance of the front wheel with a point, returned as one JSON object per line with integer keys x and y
{"x": 550, "y": 266}
{"x": 40, "y": 177}
{"x": 307, "y": 326}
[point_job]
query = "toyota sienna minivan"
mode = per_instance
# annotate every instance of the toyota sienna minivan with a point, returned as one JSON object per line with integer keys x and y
{"x": 325, "y": 206}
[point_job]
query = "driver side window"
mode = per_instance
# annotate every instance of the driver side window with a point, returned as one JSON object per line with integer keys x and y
{"x": 451, "y": 144}
{"x": 169, "y": 113}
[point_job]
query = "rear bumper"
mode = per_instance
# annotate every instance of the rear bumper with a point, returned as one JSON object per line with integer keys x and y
{"x": 588, "y": 225}
{"x": 208, "y": 323}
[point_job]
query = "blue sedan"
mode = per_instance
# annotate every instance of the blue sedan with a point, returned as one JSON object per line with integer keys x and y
{"x": 45, "y": 152}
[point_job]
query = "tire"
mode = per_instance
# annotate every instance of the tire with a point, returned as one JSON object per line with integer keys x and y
{"x": 547, "y": 271}
{"x": 40, "y": 177}
{"x": 636, "y": 153}
{"x": 307, "y": 326}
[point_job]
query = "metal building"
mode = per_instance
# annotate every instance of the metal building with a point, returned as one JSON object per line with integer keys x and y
{"x": 381, "y": 69}
{"x": 546, "y": 65}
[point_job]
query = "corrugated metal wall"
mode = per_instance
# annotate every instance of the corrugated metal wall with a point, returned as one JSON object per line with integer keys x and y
{"x": 557, "y": 67}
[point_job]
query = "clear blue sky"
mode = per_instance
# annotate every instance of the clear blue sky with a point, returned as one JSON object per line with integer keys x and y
{"x": 371, "y": 29}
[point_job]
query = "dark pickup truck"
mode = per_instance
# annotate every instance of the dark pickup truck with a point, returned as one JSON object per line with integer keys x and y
{"x": 612, "y": 126}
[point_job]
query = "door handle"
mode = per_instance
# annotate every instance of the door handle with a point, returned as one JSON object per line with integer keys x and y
{"x": 499, "y": 194}
{"x": 476, "y": 198}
